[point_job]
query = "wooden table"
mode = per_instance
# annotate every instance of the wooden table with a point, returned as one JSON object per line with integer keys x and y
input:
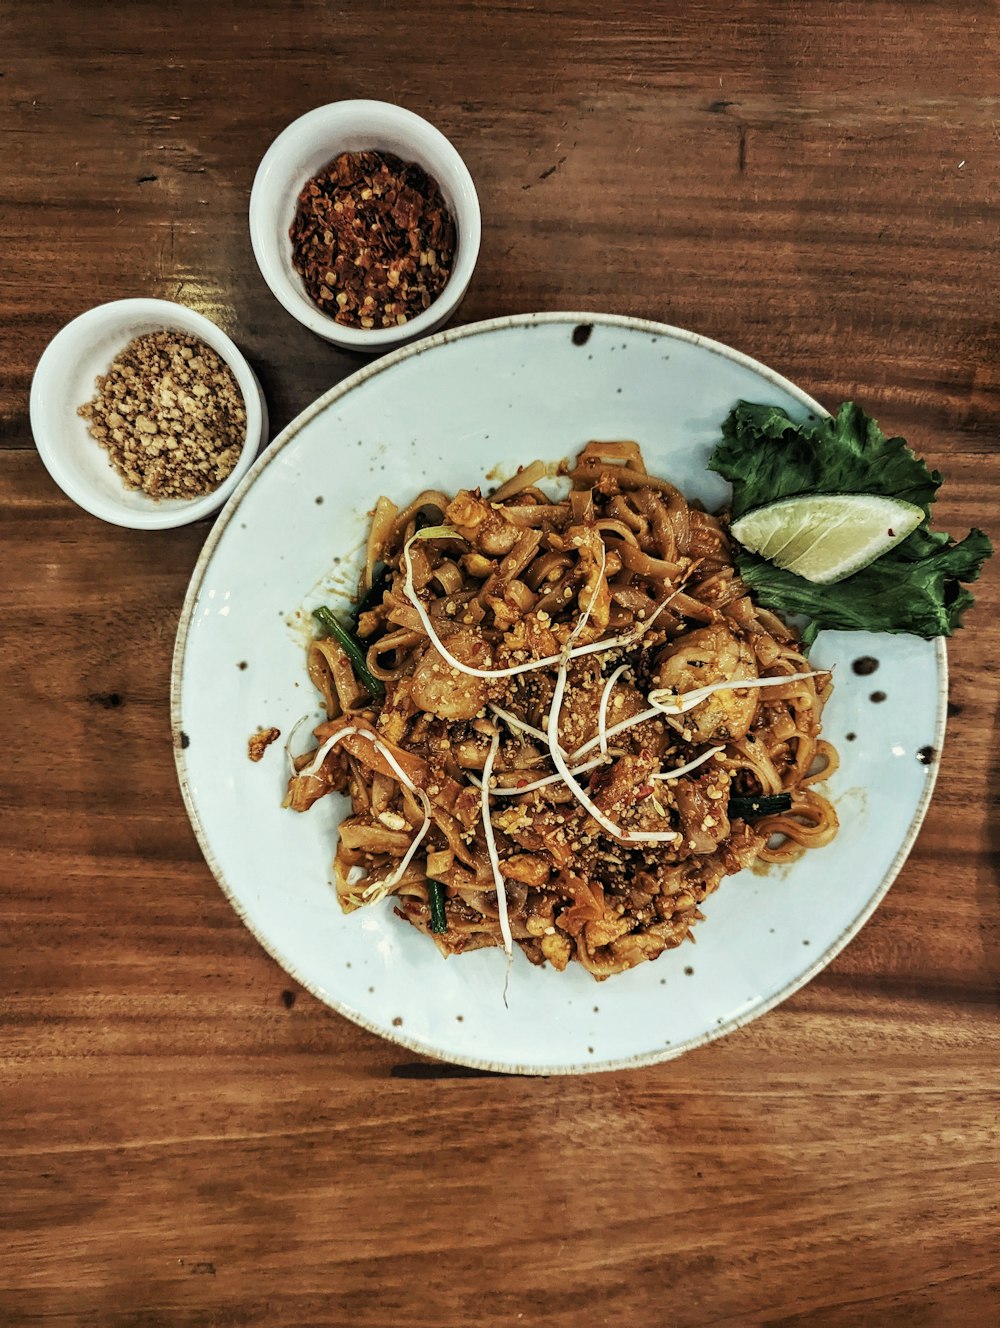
{"x": 187, "y": 1138}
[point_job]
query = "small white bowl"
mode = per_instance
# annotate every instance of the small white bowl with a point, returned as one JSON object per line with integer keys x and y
{"x": 65, "y": 380}
{"x": 312, "y": 142}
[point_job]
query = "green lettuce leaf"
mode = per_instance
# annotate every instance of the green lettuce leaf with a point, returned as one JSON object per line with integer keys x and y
{"x": 897, "y": 593}
{"x": 916, "y": 587}
{"x": 767, "y": 456}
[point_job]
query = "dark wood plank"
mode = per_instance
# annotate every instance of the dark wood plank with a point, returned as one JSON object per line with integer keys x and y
{"x": 189, "y": 1139}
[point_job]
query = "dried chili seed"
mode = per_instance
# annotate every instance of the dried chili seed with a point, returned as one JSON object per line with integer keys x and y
{"x": 372, "y": 240}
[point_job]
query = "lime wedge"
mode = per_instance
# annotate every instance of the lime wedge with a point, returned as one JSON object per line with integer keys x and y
{"x": 825, "y": 537}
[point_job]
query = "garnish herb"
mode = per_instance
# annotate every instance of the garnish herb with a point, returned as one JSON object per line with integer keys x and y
{"x": 915, "y": 587}
{"x": 372, "y": 598}
{"x": 352, "y": 648}
{"x": 435, "y": 893}
{"x": 748, "y": 809}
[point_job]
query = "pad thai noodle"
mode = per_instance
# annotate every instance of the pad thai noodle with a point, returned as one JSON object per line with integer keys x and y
{"x": 561, "y": 723}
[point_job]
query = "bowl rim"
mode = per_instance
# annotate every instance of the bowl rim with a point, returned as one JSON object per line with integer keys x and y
{"x": 169, "y": 513}
{"x": 264, "y": 195}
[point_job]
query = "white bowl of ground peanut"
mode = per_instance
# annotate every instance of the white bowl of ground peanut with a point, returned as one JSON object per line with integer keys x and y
{"x": 146, "y": 414}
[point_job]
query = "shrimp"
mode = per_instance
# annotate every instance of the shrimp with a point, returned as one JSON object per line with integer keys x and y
{"x": 439, "y": 689}
{"x": 711, "y": 654}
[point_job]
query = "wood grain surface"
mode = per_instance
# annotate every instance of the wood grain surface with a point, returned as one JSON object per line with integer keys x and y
{"x": 188, "y": 1139}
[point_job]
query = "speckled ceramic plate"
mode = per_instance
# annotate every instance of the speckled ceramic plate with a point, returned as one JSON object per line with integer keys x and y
{"x": 448, "y": 412}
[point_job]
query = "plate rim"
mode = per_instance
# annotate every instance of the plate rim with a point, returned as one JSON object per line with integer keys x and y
{"x": 221, "y": 524}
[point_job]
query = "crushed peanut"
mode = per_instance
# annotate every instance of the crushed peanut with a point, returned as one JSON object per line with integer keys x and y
{"x": 259, "y": 742}
{"x": 170, "y": 415}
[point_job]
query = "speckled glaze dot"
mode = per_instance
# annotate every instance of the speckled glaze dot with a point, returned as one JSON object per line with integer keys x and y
{"x": 864, "y": 665}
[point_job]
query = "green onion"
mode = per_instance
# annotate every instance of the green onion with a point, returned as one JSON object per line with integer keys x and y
{"x": 352, "y": 648}
{"x": 372, "y": 597}
{"x": 765, "y": 805}
{"x": 435, "y": 893}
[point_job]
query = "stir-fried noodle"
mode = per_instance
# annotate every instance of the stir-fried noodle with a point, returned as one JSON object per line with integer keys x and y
{"x": 583, "y": 713}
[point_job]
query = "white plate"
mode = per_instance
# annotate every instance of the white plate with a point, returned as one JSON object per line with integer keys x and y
{"x": 448, "y": 412}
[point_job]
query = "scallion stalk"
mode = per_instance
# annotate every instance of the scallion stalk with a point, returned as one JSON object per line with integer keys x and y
{"x": 352, "y": 648}
{"x": 767, "y": 804}
{"x": 435, "y": 894}
{"x": 372, "y": 597}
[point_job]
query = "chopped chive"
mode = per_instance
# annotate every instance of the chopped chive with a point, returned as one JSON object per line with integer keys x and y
{"x": 435, "y": 894}
{"x": 352, "y": 648}
{"x": 372, "y": 597}
{"x": 764, "y": 805}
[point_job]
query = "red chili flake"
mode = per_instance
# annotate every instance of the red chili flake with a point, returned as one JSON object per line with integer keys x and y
{"x": 643, "y": 791}
{"x": 522, "y": 783}
{"x": 891, "y": 533}
{"x": 372, "y": 240}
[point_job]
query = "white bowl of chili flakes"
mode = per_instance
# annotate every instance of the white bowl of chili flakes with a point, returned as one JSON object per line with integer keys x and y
{"x": 365, "y": 224}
